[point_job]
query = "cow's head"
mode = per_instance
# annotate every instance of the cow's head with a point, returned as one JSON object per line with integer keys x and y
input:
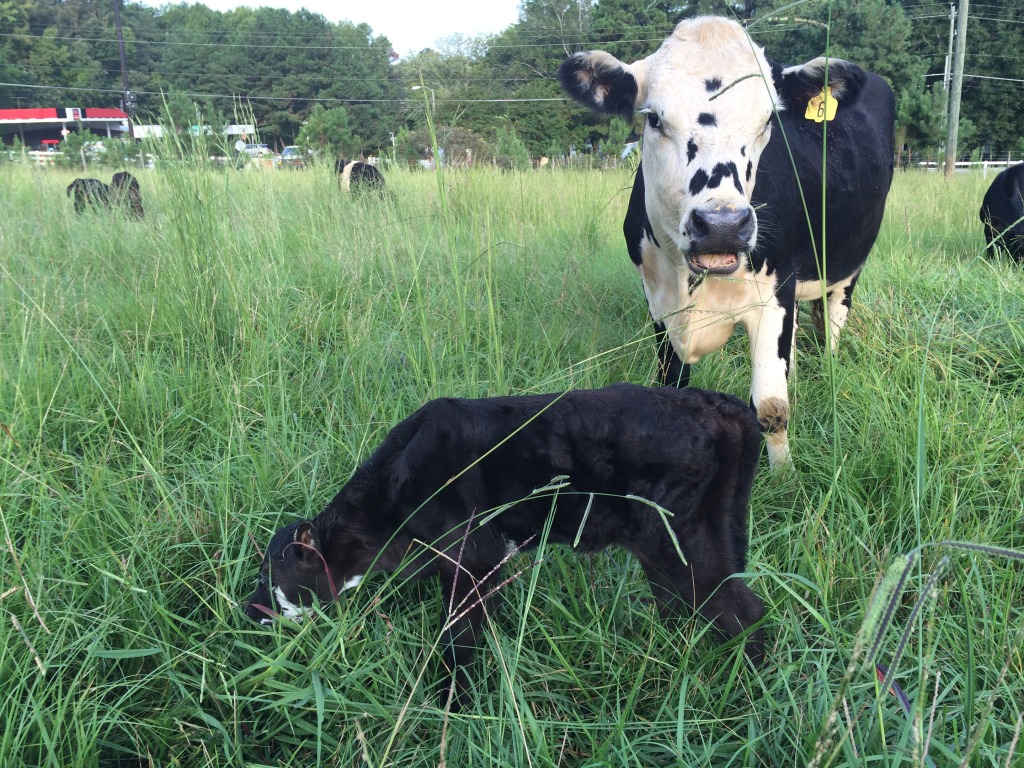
{"x": 709, "y": 96}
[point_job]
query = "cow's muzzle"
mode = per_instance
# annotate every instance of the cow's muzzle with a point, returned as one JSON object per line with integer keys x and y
{"x": 718, "y": 235}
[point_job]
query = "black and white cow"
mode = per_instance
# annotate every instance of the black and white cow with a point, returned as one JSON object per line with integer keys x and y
{"x": 712, "y": 248}
{"x": 1002, "y": 212}
{"x": 357, "y": 176}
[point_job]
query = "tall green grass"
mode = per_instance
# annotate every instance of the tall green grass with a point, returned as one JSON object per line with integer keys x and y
{"x": 172, "y": 390}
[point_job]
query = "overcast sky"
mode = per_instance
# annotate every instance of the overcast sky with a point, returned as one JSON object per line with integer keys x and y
{"x": 410, "y": 25}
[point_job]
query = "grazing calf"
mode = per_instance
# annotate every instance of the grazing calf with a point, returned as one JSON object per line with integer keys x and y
{"x": 753, "y": 193}
{"x": 1002, "y": 213}
{"x": 122, "y": 192}
{"x": 665, "y": 473}
{"x": 359, "y": 177}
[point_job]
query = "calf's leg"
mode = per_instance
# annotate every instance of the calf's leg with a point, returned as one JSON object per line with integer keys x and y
{"x": 466, "y": 588}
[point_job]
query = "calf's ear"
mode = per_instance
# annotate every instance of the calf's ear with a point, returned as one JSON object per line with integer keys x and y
{"x": 798, "y": 85}
{"x": 305, "y": 546}
{"x": 601, "y": 82}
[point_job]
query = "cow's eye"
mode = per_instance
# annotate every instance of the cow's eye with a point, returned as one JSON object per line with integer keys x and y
{"x": 654, "y": 121}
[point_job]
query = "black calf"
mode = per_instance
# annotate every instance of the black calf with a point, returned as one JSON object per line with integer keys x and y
{"x": 123, "y": 192}
{"x": 665, "y": 473}
{"x": 1002, "y": 213}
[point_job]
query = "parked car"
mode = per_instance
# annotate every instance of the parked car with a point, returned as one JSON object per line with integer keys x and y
{"x": 291, "y": 157}
{"x": 256, "y": 150}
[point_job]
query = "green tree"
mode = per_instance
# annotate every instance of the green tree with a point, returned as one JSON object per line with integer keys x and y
{"x": 360, "y": 78}
{"x": 619, "y": 131}
{"x": 453, "y": 72}
{"x": 994, "y": 70}
{"x": 509, "y": 149}
{"x": 460, "y": 146}
{"x": 871, "y": 33}
{"x": 117, "y": 153}
{"x": 523, "y": 62}
{"x": 328, "y": 132}
{"x": 410, "y": 145}
{"x": 277, "y": 65}
{"x": 73, "y": 147}
{"x": 994, "y": 78}
{"x": 12, "y": 17}
{"x": 632, "y": 29}
{"x": 919, "y": 123}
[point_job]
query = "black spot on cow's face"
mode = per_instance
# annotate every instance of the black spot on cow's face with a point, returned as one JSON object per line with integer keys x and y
{"x": 718, "y": 173}
{"x": 750, "y": 169}
{"x": 712, "y": 84}
{"x": 698, "y": 182}
{"x": 691, "y": 151}
{"x": 743, "y": 151}
{"x": 707, "y": 119}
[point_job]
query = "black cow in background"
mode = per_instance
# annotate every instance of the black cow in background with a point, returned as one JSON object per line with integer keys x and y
{"x": 1002, "y": 213}
{"x": 122, "y": 193}
{"x": 359, "y": 177}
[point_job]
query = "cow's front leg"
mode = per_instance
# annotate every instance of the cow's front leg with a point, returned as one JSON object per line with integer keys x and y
{"x": 771, "y": 349}
{"x": 672, "y": 371}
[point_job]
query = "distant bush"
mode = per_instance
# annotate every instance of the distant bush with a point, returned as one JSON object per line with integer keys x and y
{"x": 509, "y": 149}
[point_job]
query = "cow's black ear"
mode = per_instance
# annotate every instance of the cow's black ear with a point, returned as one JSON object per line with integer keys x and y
{"x": 798, "y": 85}
{"x": 599, "y": 81}
{"x": 305, "y": 545}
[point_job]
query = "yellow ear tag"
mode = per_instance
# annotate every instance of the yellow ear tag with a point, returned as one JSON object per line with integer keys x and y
{"x": 822, "y": 107}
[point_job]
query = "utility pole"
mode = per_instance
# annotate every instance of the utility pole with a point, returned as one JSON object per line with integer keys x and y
{"x": 127, "y": 97}
{"x": 946, "y": 74}
{"x": 954, "y": 96}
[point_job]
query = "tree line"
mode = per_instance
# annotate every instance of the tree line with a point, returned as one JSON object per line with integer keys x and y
{"x": 341, "y": 88}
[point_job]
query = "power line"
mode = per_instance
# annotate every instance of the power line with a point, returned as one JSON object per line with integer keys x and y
{"x": 574, "y": 39}
{"x": 1001, "y": 21}
{"x": 993, "y": 77}
{"x": 316, "y": 79}
{"x": 197, "y": 45}
{"x": 246, "y": 97}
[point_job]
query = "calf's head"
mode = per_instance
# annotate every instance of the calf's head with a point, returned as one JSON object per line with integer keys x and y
{"x": 709, "y": 96}
{"x": 294, "y": 573}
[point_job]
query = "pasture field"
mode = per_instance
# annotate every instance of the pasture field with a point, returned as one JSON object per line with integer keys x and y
{"x": 173, "y": 390}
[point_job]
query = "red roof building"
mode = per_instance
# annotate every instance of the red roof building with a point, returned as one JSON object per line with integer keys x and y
{"x": 49, "y": 124}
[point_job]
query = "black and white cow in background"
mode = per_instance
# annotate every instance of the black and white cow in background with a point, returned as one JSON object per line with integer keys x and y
{"x": 713, "y": 249}
{"x": 357, "y": 176}
{"x": 1002, "y": 212}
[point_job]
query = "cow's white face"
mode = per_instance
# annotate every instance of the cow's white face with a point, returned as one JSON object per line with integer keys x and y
{"x": 708, "y": 98}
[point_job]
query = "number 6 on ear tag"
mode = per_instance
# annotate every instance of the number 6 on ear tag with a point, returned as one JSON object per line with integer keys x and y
{"x": 822, "y": 107}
